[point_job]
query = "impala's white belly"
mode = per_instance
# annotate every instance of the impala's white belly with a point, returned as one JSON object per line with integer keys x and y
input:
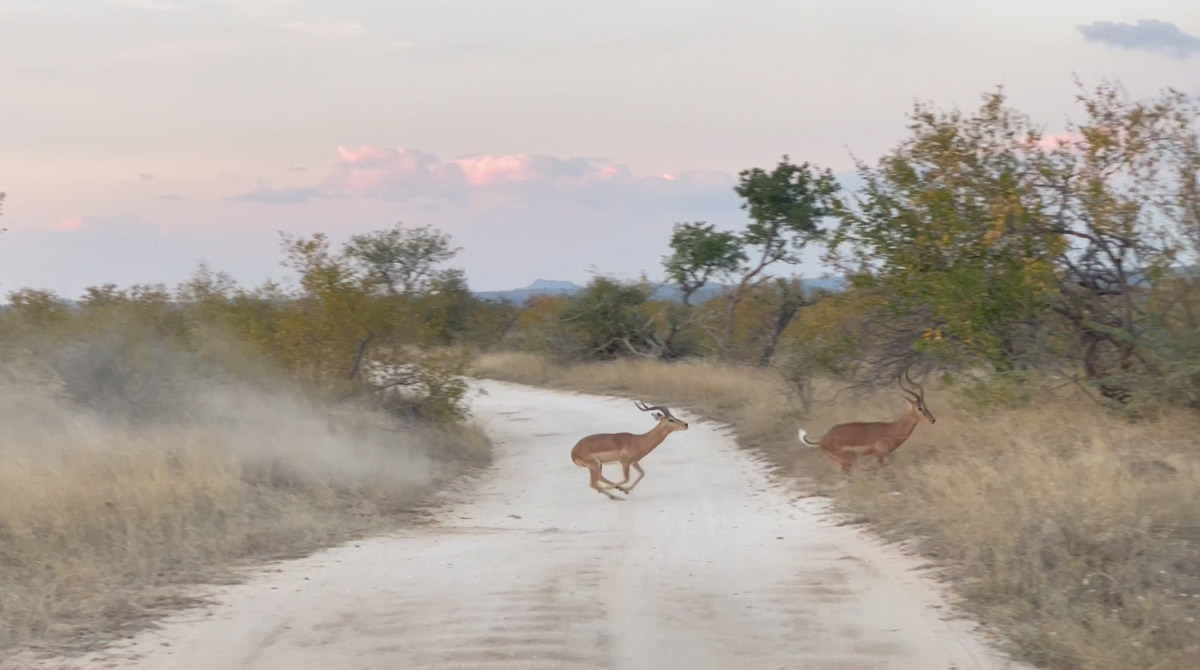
{"x": 605, "y": 457}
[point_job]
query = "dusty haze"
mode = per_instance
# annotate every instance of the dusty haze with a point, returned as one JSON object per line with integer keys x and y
{"x": 126, "y": 467}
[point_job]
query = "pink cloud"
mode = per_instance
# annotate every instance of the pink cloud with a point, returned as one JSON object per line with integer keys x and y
{"x": 376, "y": 171}
{"x": 363, "y": 155}
{"x": 516, "y": 179}
{"x": 69, "y": 223}
{"x": 360, "y": 181}
{"x": 489, "y": 170}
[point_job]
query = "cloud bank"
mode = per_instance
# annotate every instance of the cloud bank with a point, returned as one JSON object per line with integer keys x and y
{"x": 402, "y": 175}
{"x": 1148, "y": 35}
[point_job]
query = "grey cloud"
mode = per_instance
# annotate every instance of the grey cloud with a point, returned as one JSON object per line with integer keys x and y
{"x": 145, "y": 177}
{"x": 171, "y": 197}
{"x": 1146, "y": 35}
{"x": 271, "y": 196}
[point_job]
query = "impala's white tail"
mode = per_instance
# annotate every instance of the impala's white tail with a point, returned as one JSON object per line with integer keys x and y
{"x": 804, "y": 439}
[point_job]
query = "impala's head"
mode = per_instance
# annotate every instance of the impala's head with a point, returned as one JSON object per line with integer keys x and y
{"x": 663, "y": 416}
{"x": 915, "y": 398}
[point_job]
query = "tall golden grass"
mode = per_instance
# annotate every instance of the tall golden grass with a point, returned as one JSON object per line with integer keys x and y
{"x": 1074, "y": 532}
{"x": 100, "y": 518}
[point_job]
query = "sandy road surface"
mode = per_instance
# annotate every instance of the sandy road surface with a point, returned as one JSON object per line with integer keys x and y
{"x": 707, "y": 564}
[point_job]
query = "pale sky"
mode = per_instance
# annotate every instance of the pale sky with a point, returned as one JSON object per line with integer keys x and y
{"x": 139, "y": 138}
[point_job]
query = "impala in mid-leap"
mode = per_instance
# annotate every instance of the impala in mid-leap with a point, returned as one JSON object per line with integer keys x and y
{"x": 845, "y": 442}
{"x": 594, "y": 451}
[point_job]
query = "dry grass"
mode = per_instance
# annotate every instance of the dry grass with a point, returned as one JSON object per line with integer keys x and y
{"x": 1075, "y": 533}
{"x": 100, "y": 518}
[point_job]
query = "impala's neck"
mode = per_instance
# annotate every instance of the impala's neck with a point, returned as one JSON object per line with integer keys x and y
{"x": 907, "y": 421}
{"x": 654, "y": 437}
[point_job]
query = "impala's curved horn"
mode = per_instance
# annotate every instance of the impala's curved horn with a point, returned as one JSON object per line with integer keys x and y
{"x": 920, "y": 388}
{"x": 908, "y": 393}
{"x": 645, "y": 408}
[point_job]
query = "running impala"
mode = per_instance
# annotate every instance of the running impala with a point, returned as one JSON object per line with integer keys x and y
{"x": 845, "y": 442}
{"x": 595, "y": 451}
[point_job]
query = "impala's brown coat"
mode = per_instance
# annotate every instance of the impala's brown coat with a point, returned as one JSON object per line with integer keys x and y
{"x": 594, "y": 451}
{"x": 845, "y": 442}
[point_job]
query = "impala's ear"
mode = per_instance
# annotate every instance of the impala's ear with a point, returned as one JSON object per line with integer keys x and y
{"x": 658, "y": 416}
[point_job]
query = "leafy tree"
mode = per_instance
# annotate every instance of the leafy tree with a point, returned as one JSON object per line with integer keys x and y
{"x": 980, "y": 231}
{"x": 446, "y": 307}
{"x": 1125, "y": 196}
{"x": 951, "y": 227}
{"x": 831, "y": 334}
{"x": 537, "y": 325}
{"x": 492, "y": 322}
{"x": 37, "y": 310}
{"x": 699, "y": 255}
{"x": 785, "y": 206}
{"x": 403, "y": 260}
{"x": 788, "y": 297}
{"x": 341, "y": 332}
{"x": 325, "y": 336}
{"x": 607, "y": 323}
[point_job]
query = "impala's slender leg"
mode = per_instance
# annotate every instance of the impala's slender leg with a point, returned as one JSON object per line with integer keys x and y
{"x": 885, "y": 450}
{"x": 846, "y": 459}
{"x": 829, "y": 454}
{"x": 838, "y": 459}
{"x": 620, "y": 486}
{"x": 641, "y": 473}
{"x": 596, "y": 472}
{"x": 883, "y": 455}
{"x": 601, "y": 477}
{"x": 596, "y": 478}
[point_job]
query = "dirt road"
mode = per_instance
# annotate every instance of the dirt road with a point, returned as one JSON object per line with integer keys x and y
{"x": 707, "y": 564}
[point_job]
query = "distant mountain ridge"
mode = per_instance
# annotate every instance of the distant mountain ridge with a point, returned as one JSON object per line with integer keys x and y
{"x": 522, "y": 295}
